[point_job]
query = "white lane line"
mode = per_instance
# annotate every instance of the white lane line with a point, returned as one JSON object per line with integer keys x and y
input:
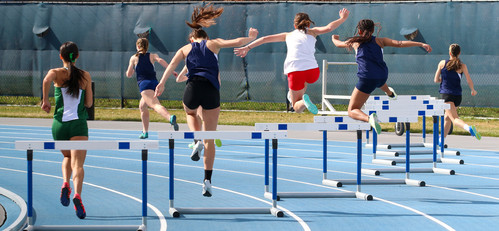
{"x": 462, "y": 191}
{"x": 158, "y": 213}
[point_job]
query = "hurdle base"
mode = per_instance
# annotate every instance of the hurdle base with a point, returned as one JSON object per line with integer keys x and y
{"x": 359, "y": 195}
{"x": 374, "y": 172}
{"x": 384, "y": 162}
{"x": 268, "y": 195}
{"x": 274, "y": 211}
{"x": 382, "y": 181}
{"x": 451, "y": 161}
{"x": 364, "y": 196}
{"x": 450, "y": 152}
{"x": 414, "y": 170}
{"x": 415, "y": 161}
{"x": 381, "y": 146}
{"x": 388, "y": 153}
{"x": 333, "y": 183}
{"x": 86, "y": 227}
{"x": 430, "y": 145}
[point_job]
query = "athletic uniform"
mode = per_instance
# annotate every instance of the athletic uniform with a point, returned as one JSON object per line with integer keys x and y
{"x": 70, "y": 116}
{"x": 146, "y": 75}
{"x": 203, "y": 87}
{"x": 372, "y": 70}
{"x": 300, "y": 64}
{"x": 450, "y": 87}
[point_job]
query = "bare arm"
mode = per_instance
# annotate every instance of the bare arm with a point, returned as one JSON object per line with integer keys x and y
{"x": 437, "y": 78}
{"x": 332, "y": 25}
{"x": 241, "y": 41}
{"x": 88, "y": 90}
{"x": 468, "y": 79}
{"x": 49, "y": 78}
{"x": 131, "y": 66}
{"x": 182, "y": 75}
{"x": 338, "y": 43}
{"x": 243, "y": 51}
{"x": 394, "y": 43}
{"x": 162, "y": 62}
{"x": 179, "y": 56}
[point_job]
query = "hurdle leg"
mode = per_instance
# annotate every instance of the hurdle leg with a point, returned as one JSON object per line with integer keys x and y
{"x": 360, "y": 194}
{"x": 409, "y": 181}
{"x": 435, "y": 143}
{"x": 424, "y": 129}
{"x": 29, "y": 157}
{"x": 144, "y": 190}
{"x": 324, "y": 155}
{"x": 274, "y": 210}
{"x": 267, "y": 194}
{"x": 375, "y": 145}
{"x": 173, "y": 212}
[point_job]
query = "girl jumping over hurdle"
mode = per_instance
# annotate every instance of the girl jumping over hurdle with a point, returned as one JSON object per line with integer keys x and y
{"x": 72, "y": 93}
{"x": 449, "y": 73}
{"x": 203, "y": 84}
{"x": 143, "y": 63}
{"x": 372, "y": 69}
{"x": 300, "y": 65}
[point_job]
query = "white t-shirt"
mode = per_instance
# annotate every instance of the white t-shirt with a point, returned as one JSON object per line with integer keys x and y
{"x": 301, "y": 50}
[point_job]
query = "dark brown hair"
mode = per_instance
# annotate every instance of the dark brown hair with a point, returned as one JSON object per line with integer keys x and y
{"x": 203, "y": 17}
{"x": 367, "y": 28}
{"x": 69, "y": 53}
{"x": 455, "y": 63}
{"x": 302, "y": 21}
{"x": 143, "y": 45}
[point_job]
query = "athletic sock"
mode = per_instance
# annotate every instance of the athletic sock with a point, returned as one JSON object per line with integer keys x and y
{"x": 207, "y": 174}
{"x": 466, "y": 127}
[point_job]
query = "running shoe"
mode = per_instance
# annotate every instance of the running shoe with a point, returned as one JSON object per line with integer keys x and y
{"x": 475, "y": 133}
{"x": 196, "y": 150}
{"x": 191, "y": 145}
{"x": 206, "y": 188}
{"x": 144, "y": 135}
{"x": 394, "y": 96}
{"x": 218, "y": 142}
{"x": 80, "y": 209}
{"x": 173, "y": 121}
{"x": 310, "y": 106}
{"x": 289, "y": 97}
{"x": 65, "y": 192}
{"x": 373, "y": 121}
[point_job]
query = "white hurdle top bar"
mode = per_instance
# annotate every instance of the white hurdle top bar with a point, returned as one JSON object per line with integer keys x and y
{"x": 312, "y": 126}
{"x": 226, "y": 135}
{"x": 87, "y": 145}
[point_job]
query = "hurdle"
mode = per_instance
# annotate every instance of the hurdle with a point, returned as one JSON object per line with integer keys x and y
{"x": 226, "y": 135}
{"x": 353, "y": 126}
{"x": 420, "y": 105}
{"x": 327, "y": 107}
{"x": 30, "y": 146}
{"x": 407, "y": 180}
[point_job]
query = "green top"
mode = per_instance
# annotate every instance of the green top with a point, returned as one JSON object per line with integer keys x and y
{"x": 67, "y": 107}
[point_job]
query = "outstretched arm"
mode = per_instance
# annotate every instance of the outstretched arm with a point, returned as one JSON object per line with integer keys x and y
{"x": 338, "y": 43}
{"x": 179, "y": 56}
{"x": 468, "y": 79}
{"x": 241, "y": 41}
{"x": 243, "y": 51}
{"x": 162, "y": 62}
{"x": 394, "y": 43}
{"x": 332, "y": 25}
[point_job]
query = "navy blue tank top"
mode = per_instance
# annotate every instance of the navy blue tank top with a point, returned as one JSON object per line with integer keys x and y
{"x": 451, "y": 81}
{"x": 145, "y": 69}
{"x": 370, "y": 61}
{"x": 202, "y": 62}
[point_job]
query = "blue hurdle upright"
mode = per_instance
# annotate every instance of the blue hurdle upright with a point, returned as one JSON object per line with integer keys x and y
{"x": 324, "y": 127}
{"x": 226, "y": 135}
{"x": 342, "y": 119}
{"x": 29, "y": 146}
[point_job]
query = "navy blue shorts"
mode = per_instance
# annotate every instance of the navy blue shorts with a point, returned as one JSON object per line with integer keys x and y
{"x": 369, "y": 85}
{"x": 456, "y": 99}
{"x": 148, "y": 84}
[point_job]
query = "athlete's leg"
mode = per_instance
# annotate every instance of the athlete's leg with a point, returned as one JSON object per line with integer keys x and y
{"x": 77, "y": 161}
{"x": 153, "y": 102}
{"x": 297, "y": 99}
{"x": 210, "y": 122}
{"x": 451, "y": 116}
{"x": 357, "y": 100}
{"x": 144, "y": 115}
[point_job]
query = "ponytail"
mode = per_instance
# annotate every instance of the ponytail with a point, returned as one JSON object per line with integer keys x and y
{"x": 367, "y": 28}
{"x": 143, "y": 45}
{"x": 302, "y": 21}
{"x": 69, "y": 52}
{"x": 454, "y": 63}
{"x": 203, "y": 17}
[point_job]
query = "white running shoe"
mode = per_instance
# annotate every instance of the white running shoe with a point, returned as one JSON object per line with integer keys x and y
{"x": 373, "y": 121}
{"x": 394, "y": 97}
{"x": 207, "y": 188}
{"x": 196, "y": 150}
{"x": 289, "y": 97}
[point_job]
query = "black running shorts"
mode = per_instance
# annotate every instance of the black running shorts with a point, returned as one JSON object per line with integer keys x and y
{"x": 200, "y": 92}
{"x": 456, "y": 99}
